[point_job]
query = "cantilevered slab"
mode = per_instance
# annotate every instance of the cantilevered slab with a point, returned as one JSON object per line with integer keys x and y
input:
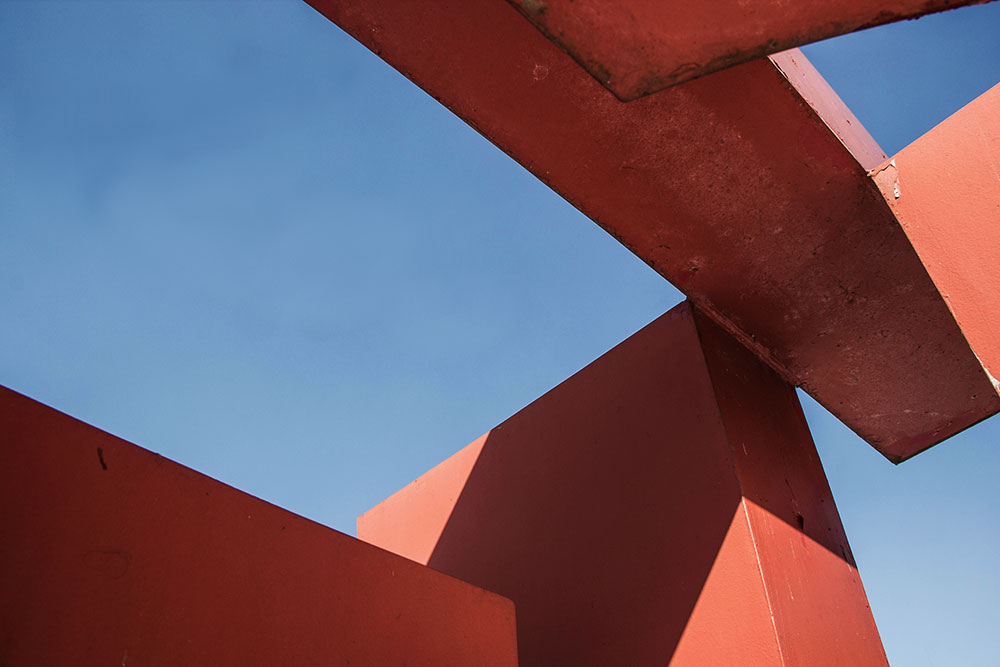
{"x": 112, "y": 555}
{"x": 945, "y": 190}
{"x": 637, "y": 47}
{"x": 665, "y": 505}
{"x": 747, "y": 189}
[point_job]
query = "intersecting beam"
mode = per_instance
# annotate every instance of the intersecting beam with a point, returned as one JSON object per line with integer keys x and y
{"x": 747, "y": 189}
{"x": 945, "y": 190}
{"x": 637, "y": 47}
{"x": 113, "y": 555}
{"x": 665, "y": 505}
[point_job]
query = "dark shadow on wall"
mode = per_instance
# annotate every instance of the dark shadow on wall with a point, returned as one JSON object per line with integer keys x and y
{"x": 604, "y": 566}
{"x": 601, "y": 508}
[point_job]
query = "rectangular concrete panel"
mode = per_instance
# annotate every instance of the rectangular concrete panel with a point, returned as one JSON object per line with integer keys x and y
{"x": 945, "y": 190}
{"x": 112, "y": 555}
{"x": 637, "y": 47}
{"x": 665, "y": 505}
{"x": 748, "y": 189}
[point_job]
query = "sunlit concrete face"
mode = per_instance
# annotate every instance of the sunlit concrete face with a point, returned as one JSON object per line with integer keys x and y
{"x": 114, "y": 555}
{"x": 663, "y": 505}
{"x": 945, "y": 190}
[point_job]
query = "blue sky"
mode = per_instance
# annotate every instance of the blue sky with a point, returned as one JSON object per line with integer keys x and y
{"x": 233, "y": 236}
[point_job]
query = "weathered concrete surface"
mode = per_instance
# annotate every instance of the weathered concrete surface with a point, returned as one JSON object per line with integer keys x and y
{"x": 747, "y": 189}
{"x": 113, "y": 555}
{"x": 638, "y": 47}
{"x": 945, "y": 190}
{"x": 665, "y": 505}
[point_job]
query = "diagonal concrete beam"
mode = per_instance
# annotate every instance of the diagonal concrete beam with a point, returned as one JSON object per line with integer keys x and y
{"x": 748, "y": 190}
{"x": 113, "y": 555}
{"x": 638, "y": 47}
{"x": 944, "y": 189}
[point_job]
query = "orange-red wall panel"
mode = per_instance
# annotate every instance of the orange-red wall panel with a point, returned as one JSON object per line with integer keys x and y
{"x": 112, "y": 555}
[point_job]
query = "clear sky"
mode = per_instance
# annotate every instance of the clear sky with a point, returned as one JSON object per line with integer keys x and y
{"x": 230, "y": 234}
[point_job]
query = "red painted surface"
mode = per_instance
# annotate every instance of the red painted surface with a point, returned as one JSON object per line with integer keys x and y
{"x": 637, "y": 47}
{"x": 945, "y": 190}
{"x": 747, "y": 189}
{"x": 113, "y": 555}
{"x": 665, "y": 505}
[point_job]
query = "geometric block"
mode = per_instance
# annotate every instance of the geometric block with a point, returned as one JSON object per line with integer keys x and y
{"x": 638, "y": 47}
{"x": 113, "y": 555}
{"x": 944, "y": 189}
{"x": 665, "y": 505}
{"x": 748, "y": 189}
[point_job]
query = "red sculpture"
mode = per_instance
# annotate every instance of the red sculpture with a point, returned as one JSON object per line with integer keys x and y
{"x": 665, "y": 505}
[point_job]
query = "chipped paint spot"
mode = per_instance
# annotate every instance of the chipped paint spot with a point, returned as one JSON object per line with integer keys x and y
{"x": 993, "y": 380}
{"x": 540, "y": 72}
{"x": 885, "y": 176}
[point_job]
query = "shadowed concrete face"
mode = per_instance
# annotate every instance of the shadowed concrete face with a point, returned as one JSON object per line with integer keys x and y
{"x": 665, "y": 504}
{"x": 113, "y": 555}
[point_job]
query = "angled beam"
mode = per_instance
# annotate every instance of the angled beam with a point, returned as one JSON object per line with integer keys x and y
{"x": 638, "y": 47}
{"x": 945, "y": 190}
{"x": 747, "y": 189}
{"x": 113, "y": 555}
{"x": 665, "y": 505}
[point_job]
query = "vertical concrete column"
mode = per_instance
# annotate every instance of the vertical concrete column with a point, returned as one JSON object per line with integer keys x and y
{"x": 665, "y": 505}
{"x": 112, "y": 555}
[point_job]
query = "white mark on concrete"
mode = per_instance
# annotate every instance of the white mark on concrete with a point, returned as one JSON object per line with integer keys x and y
{"x": 885, "y": 175}
{"x": 993, "y": 380}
